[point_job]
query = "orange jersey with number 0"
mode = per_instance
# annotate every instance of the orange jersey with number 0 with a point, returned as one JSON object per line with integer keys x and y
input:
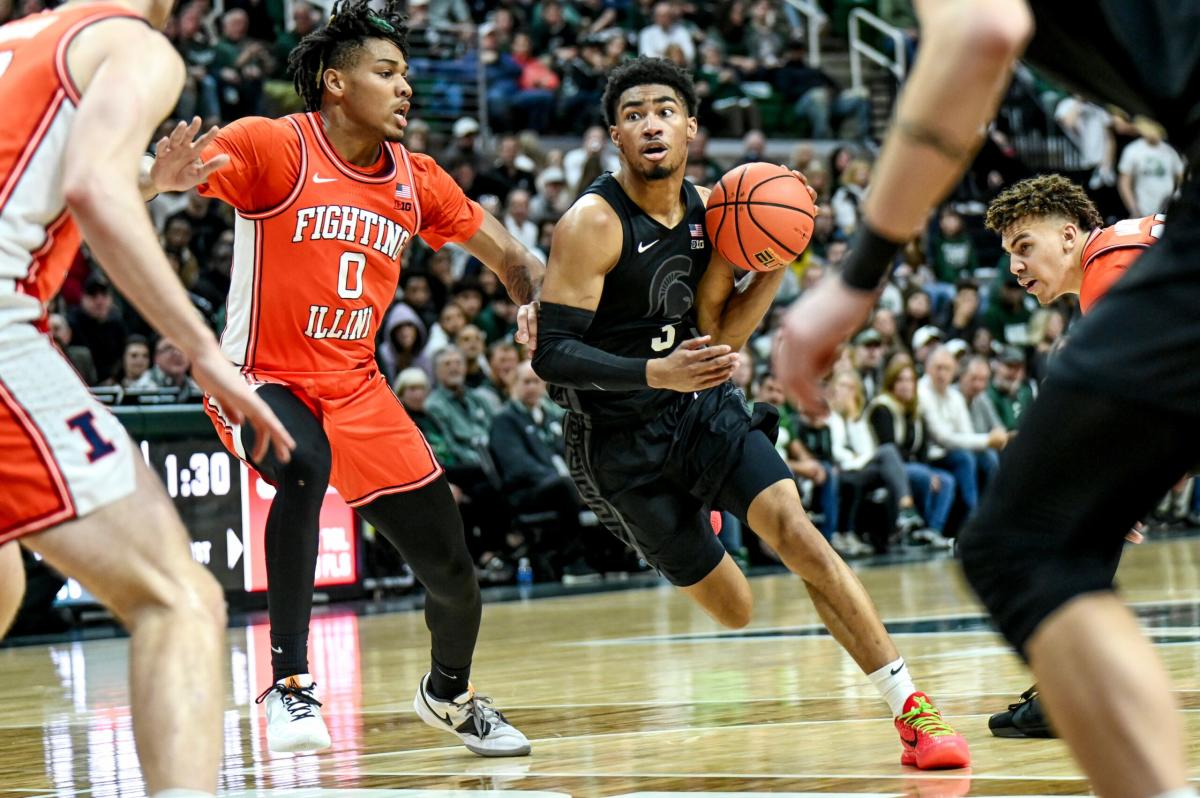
{"x": 317, "y": 242}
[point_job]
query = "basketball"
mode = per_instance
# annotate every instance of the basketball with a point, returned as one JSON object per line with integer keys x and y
{"x": 760, "y": 216}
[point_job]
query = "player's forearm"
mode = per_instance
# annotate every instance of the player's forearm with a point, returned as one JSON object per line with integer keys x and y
{"x": 521, "y": 275}
{"x": 562, "y": 357}
{"x": 965, "y": 62}
{"x": 114, "y": 222}
{"x": 744, "y": 311}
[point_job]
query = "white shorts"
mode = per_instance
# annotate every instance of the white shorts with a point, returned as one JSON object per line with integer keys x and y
{"x": 62, "y": 453}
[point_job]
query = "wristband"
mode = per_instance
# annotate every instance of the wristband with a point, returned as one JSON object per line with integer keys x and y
{"x": 869, "y": 260}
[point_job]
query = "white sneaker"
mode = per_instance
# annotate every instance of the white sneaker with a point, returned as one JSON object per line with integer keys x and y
{"x": 294, "y": 723}
{"x": 471, "y": 718}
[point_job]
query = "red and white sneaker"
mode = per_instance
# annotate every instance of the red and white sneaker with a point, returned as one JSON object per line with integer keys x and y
{"x": 930, "y": 743}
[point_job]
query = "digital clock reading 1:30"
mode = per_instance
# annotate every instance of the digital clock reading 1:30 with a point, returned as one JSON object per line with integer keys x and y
{"x": 205, "y": 474}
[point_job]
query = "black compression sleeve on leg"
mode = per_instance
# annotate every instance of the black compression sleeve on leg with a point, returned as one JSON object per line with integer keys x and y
{"x": 869, "y": 260}
{"x": 293, "y": 527}
{"x": 562, "y": 358}
{"x": 425, "y": 526}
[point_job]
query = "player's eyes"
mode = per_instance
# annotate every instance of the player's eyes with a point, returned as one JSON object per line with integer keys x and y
{"x": 385, "y": 74}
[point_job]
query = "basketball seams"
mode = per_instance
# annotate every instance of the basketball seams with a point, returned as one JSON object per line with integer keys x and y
{"x": 737, "y": 226}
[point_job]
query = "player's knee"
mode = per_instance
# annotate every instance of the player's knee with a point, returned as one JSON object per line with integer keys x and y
{"x": 309, "y": 467}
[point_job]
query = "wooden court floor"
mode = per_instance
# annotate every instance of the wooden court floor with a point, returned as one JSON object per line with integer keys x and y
{"x": 625, "y": 693}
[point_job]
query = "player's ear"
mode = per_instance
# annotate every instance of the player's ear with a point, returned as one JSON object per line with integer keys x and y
{"x": 334, "y": 83}
{"x": 1069, "y": 234}
{"x": 692, "y": 127}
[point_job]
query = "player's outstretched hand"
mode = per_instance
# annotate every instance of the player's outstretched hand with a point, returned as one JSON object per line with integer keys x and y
{"x": 178, "y": 165}
{"x": 807, "y": 342}
{"x": 693, "y": 366}
{"x": 241, "y": 405}
{"x": 527, "y": 326}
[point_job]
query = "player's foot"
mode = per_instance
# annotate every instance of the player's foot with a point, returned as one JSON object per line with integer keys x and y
{"x": 1022, "y": 719}
{"x": 294, "y": 723}
{"x": 930, "y": 743}
{"x": 472, "y": 719}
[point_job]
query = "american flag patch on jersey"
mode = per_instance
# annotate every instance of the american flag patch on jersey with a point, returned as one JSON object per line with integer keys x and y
{"x": 403, "y": 191}
{"x": 697, "y": 230}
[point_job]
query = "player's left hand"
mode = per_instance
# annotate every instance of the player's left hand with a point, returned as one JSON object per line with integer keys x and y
{"x": 178, "y": 165}
{"x": 807, "y": 342}
{"x": 1135, "y": 535}
{"x": 527, "y": 325}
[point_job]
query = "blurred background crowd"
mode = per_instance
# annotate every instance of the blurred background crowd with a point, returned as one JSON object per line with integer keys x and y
{"x": 507, "y": 97}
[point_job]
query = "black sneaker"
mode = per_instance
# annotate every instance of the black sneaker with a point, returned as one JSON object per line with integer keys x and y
{"x": 1022, "y": 719}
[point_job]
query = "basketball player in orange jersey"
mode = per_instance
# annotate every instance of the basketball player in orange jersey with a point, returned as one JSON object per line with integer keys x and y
{"x": 1053, "y": 235}
{"x": 82, "y": 89}
{"x": 640, "y": 323}
{"x": 326, "y": 202}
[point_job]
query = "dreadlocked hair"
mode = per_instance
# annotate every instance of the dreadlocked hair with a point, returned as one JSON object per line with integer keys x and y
{"x": 1039, "y": 197}
{"x": 335, "y": 45}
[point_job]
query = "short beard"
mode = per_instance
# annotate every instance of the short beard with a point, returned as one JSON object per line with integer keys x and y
{"x": 658, "y": 172}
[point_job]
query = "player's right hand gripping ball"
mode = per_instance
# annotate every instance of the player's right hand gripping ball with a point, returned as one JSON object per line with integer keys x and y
{"x": 760, "y": 216}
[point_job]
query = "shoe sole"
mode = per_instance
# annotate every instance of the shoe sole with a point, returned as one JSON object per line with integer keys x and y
{"x": 1013, "y": 733}
{"x": 297, "y": 748}
{"x": 936, "y": 760}
{"x": 435, "y": 722}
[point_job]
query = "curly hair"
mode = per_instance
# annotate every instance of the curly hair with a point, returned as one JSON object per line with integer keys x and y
{"x": 336, "y": 44}
{"x": 643, "y": 72}
{"x": 1039, "y": 197}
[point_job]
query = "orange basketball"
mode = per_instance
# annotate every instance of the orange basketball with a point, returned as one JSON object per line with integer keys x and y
{"x": 760, "y": 216}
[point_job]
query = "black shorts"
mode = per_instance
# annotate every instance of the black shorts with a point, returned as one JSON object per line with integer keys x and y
{"x": 653, "y": 483}
{"x": 1141, "y": 343}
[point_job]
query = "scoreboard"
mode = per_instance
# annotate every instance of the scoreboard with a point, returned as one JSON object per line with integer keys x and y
{"x": 224, "y": 504}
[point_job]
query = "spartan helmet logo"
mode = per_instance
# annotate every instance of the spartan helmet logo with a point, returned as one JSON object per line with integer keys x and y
{"x": 670, "y": 295}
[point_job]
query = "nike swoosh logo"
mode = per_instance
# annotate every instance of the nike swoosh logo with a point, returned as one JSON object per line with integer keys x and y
{"x": 643, "y": 247}
{"x": 277, "y": 650}
{"x": 443, "y": 718}
{"x": 897, "y": 670}
{"x": 910, "y": 743}
{"x": 319, "y": 179}
{"x": 448, "y": 676}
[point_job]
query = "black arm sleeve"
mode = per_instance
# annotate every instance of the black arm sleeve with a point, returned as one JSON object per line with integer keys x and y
{"x": 562, "y": 358}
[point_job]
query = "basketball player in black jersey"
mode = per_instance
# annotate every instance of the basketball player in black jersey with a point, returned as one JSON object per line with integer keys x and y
{"x": 1118, "y": 418}
{"x": 639, "y": 327}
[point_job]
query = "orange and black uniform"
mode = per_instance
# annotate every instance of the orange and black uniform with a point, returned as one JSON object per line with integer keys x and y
{"x": 317, "y": 247}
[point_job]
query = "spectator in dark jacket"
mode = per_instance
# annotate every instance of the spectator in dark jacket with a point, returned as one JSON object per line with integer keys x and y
{"x": 97, "y": 324}
{"x": 526, "y": 446}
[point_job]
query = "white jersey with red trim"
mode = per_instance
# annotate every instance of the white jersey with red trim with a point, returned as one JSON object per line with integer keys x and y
{"x": 38, "y": 101}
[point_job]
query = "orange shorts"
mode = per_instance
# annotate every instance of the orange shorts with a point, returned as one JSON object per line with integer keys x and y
{"x": 64, "y": 454}
{"x": 377, "y": 449}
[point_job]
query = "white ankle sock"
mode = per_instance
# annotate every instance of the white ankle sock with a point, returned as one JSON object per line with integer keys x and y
{"x": 895, "y": 685}
{"x": 183, "y": 794}
{"x": 1182, "y": 792}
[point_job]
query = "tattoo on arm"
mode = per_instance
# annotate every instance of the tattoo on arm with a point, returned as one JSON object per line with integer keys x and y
{"x": 918, "y": 133}
{"x": 520, "y": 283}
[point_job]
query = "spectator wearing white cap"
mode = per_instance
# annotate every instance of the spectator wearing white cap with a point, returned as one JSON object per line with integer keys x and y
{"x": 924, "y": 340}
{"x": 552, "y": 198}
{"x": 465, "y": 144}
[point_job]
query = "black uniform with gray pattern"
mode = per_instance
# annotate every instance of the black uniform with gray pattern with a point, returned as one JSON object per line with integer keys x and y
{"x": 651, "y": 463}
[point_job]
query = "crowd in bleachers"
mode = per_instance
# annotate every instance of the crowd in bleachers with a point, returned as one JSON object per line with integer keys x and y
{"x": 923, "y": 399}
